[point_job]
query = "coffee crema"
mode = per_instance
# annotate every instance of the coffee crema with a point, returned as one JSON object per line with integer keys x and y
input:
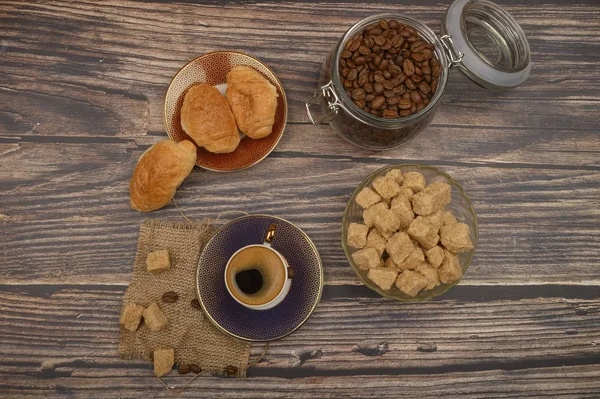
{"x": 256, "y": 275}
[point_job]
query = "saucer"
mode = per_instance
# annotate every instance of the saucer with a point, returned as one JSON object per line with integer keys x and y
{"x": 212, "y": 68}
{"x": 259, "y": 325}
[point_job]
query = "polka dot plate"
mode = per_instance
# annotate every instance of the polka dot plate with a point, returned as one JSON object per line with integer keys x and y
{"x": 212, "y": 68}
{"x": 259, "y": 325}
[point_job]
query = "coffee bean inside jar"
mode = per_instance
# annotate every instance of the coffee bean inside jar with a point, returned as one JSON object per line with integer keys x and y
{"x": 389, "y": 70}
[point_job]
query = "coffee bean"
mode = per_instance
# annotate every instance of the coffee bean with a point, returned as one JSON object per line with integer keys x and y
{"x": 389, "y": 70}
{"x": 195, "y": 369}
{"x": 404, "y": 103}
{"x": 183, "y": 369}
{"x": 408, "y": 67}
{"x": 196, "y": 304}
{"x": 231, "y": 371}
{"x": 415, "y": 97}
{"x": 388, "y": 113}
{"x": 170, "y": 297}
{"x": 378, "y": 102}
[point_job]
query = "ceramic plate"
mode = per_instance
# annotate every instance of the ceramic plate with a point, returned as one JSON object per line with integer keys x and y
{"x": 259, "y": 325}
{"x": 212, "y": 68}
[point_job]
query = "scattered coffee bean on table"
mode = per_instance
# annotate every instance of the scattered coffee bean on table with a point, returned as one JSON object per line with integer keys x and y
{"x": 170, "y": 297}
{"x": 231, "y": 370}
{"x": 183, "y": 369}
{"x": 389, "y": 70}
{"x": 196, "y": 304}
{"x": 195, "y": 369}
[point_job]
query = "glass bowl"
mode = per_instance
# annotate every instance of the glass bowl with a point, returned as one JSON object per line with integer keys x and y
{"x": 461, "y": 207}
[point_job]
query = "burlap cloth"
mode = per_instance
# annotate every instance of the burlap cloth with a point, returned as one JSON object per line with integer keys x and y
{"x": 193, "y": 336}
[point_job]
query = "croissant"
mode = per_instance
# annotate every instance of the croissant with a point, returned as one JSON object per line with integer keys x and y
{"x": 207, "y": 119}
{"x": 253, "y": 100}
{"x": 158, "y": 173}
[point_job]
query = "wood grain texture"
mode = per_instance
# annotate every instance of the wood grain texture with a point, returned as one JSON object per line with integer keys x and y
{"x": 64, "y": 341}
{"x": 81, "y": 97}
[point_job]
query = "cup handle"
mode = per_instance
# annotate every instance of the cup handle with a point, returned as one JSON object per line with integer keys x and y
{"x": 270, "y": 234}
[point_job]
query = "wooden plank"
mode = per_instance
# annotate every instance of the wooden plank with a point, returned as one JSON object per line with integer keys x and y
{"x": 90, "y": 59}
{"x": 57, "y": 340}
{"x": 67, "y": 216}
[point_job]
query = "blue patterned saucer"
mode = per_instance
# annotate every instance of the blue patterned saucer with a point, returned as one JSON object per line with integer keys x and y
{"x": 259, "y": 325}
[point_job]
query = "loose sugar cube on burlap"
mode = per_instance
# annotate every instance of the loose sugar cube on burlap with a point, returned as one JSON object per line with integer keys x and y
{"x": 414, "y": 180}
{"x": 450, "y": 270}
{"x": 154, "y": 318}
{"x": 369, "y": 214}
{"x": 402, "y": 208}
{"x": 357, "y": 235}
{"x": 385, "y": 187}
{"x": 376, "y": 240}
{"x": 430, "y": 273}
{"x": 367, "y": 258}
{"x": 399, "y": 246}
{"x": 395, "y": 174}
{"x": 158, "y": 261}
{"x": 433, "y": 197}
{"x": 410, "y": 282}
{"x": 456, "y": 237}
{"x": 383, "y": 277}
{"x": 131, "y": 316}
{"x": 164, "y": 358}
{"x": 423, "y": 232}
{"x": 367, "y": 198}
{"x": 435, "y": 256}
{"x": 386, "y": 221}
{"x": 414, "y": 259}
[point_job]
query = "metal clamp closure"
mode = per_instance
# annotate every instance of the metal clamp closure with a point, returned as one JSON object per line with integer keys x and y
{"x": 455, "y": 55}
{"x": 333, "y": 103}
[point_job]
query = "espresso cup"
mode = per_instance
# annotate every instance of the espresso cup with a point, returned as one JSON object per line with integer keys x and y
{"x": 257, "y": 276}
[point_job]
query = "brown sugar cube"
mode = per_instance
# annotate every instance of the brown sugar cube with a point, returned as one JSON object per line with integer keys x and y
{"x": 450, "y": 270}
{"x": 407, "y": 192}
{"x": 433, "y": 197}
{"x": 367, "y": 258}
{"x": 154, "y": 318}
{"x": 367, "y": 198}
{"x": 383, "y": 277}
{"x": 386, "y": 221}
{"x": 456, "y": 237}
{"x": 131, "y": 316}
{"x": 389, "y": 263}
{"x": 414, "y": 180}
{"x": 436, "y": 219}
{"x": 164, "y": 359}
{"x": 430, "y": 273}
{"x": 411, "y": 282}
{"x": 385, "y": 187}
{"x": 402, "y": 208}
{"x": 413, "y": 260}
{"x": 357, "y": 235}
{"x": 395, "y": 174}
{"x": 449, "y": 218}
{"x": 435, "y": 256}
{"x": 376, "y": 240}
{"x": 369, "y": 214}
{"x": 158, "y": 261}
{"x": 399, "y": 246}
{"x": 423, "y": 232}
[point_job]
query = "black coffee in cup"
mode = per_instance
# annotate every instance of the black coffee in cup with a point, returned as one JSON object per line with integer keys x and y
{"x": 256, "y": 275}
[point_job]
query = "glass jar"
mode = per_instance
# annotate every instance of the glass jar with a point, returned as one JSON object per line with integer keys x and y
{"x": 478, "y": 37}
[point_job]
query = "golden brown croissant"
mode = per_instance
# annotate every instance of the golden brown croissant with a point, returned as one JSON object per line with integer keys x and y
{"x": 158, "y": 173}
{"x": 207, "y": 119}
{"x": 253, "y": 100}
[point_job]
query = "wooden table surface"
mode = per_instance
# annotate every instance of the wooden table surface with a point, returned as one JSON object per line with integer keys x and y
{"x": 81, "y": 97}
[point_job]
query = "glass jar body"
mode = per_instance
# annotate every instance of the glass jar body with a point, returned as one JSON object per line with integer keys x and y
{"x": 357, "y": 126}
